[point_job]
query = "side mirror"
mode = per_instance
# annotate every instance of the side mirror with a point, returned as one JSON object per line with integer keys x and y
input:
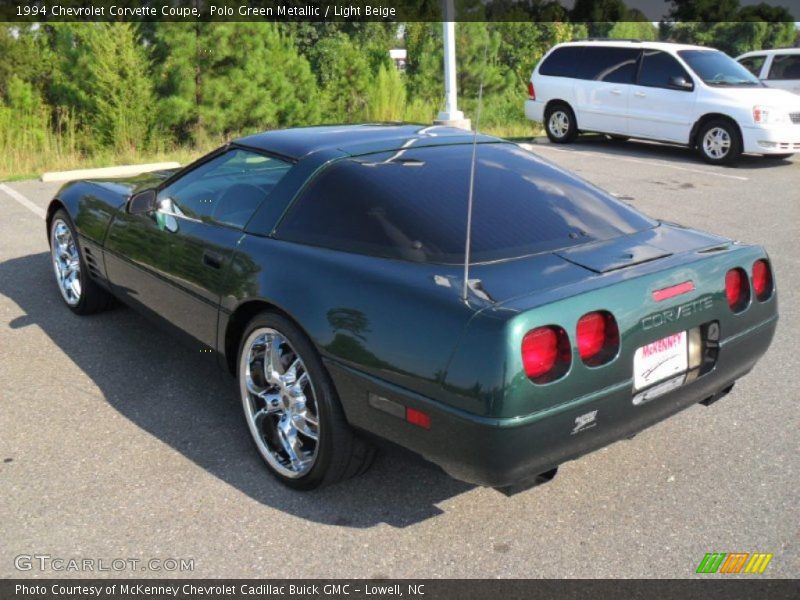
{"x": 142, "y": 203}
{"x": 680, "y": 83}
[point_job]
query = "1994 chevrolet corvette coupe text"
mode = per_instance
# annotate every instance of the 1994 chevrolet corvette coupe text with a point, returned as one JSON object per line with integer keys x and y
{"x": 325, "y": 267}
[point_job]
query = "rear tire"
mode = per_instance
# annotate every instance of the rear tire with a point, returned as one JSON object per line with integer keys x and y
{"x": 292, "y": 409}
{"x": 80, "y": 292}
{"x": 719, "y": 143}
{"x": 560, "y": 124}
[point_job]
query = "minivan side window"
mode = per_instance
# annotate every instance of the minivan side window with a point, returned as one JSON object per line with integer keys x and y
{"x": 657, "y": 69}
{"x": 785, "y": 67}
{"x": 613, "y": 65}
{"x": 562, "y": 61}
{"x": 753, "y": 64}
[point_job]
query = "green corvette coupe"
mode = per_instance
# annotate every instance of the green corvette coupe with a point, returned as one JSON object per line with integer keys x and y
{"x": 326, "y": 268}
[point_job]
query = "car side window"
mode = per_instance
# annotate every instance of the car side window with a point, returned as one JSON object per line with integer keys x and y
{"x": 753, "y": 64}
{"x": 658, "y": 68}
{"x": 786, "y": 66}
{"x": 227, "y": 189}
{"x": 609, "y": 64}
{"x": 562, "y": 61}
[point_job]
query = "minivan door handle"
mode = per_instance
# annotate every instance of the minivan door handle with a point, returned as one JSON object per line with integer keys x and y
{"x": 616, "y": 91}
{"x": 640, "y": 94}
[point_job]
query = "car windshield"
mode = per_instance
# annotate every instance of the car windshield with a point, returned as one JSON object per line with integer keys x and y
{"x": 412, "y": 204}
{"x": 717, "y": 68}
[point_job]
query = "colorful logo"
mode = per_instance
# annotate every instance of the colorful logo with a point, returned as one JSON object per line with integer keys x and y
{"x": 734, "y": 562}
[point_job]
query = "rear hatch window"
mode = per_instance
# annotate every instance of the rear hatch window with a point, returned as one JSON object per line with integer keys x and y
{"x": 412, "y": 204}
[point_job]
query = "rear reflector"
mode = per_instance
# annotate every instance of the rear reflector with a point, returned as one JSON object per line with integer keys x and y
{"x": 531, "y": 91}
{"x": 598, "y": 337}
{"x": 546, "y": 353}
{"x": 418, "y": 418}
{"x": 737, "y": 289}
{"x": 762, "y": 279}
{"x": 672, "y": 291}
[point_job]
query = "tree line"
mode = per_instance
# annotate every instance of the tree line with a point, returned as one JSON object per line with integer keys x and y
{"x": 83, "y": 89}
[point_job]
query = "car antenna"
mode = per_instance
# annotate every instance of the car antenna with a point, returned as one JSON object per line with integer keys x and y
{"x": 470, "y": 194}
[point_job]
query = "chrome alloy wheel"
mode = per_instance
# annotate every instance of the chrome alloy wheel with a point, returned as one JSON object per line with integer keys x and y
{"x": 279, "y": 402}
{"x": 66, "y": 262}
{"x": 717, "y": 143}
{"x": 559, "y": 123}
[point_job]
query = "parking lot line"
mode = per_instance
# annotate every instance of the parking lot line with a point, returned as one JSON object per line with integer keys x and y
{"x": 654, "y": 163}
{"x": 14, "y": 194}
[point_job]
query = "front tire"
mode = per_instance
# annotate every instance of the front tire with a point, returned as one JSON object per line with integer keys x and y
{"x": 560, "y": 124}
{"x": 292, "y": 410}
{"x": 80, "y": 293}
{"x": 719, "y": 143}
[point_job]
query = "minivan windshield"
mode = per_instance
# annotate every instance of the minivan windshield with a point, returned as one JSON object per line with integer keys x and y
{"x": 717, "y": 68}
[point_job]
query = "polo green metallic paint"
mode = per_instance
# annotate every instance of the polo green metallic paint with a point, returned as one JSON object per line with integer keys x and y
{"x": 397, "y": 327}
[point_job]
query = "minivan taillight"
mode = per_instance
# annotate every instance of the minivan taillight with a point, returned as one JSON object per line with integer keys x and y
{"x": 531, "y": 91}
{"x": 762, "y": 279}
{"x": 598, "y": 337}
{"x": 546, "y": 353}
{"x": 737, "y": 289}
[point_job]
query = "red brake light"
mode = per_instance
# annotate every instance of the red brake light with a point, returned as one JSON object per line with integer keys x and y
{"x": 531, "y": 91}
{"x": 418, "y": 418}
{"x": 672, "y": 291}
{"x": 546, "y": 353}
{"x": 737, "y": 291}
{"x": 598, "y": 337}
{"x": 762, "y": 279}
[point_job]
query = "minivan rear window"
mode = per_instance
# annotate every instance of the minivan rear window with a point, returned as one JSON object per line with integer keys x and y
{"x": 411, "y": 204}
{"x": 562, "y": 61}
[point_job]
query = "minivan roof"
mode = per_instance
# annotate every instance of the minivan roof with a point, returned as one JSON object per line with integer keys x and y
{"x": 637, "y": 44}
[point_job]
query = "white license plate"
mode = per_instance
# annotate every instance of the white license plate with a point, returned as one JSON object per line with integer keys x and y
{"x": 660, "y": 360}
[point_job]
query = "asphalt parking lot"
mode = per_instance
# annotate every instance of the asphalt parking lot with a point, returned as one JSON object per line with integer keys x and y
{"x": 117, "y": 443}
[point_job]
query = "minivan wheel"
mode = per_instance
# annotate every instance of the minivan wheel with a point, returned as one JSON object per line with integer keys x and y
{"x": 291, "y": 408}
{"x": 718, "y": 142}
{"x": 559, "y": 123}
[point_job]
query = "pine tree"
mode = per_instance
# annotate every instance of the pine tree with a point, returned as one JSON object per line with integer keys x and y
{"x": 230, "y": 78}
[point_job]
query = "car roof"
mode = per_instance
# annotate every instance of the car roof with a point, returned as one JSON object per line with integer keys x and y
{"x": 767, "y": 52}
{"x": 364, "y": 138}
{"x": 637, "y": 44}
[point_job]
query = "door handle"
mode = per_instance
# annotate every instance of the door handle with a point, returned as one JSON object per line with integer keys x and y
{"x": 212, "y": 259}
{"x": 616, "y": 92}
{"x": 640, "y": 94}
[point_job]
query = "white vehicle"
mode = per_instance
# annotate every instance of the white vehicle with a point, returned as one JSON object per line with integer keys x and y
{"x": 689, "y": 95}
{"x": 775, "y": 68}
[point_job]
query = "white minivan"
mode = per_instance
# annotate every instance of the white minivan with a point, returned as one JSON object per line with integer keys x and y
{"x": 690, "y": 95}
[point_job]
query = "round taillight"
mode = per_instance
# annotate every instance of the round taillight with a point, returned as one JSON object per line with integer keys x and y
{"x": 546, "y": 353}
{"x": 737, "y": 290}
{"x": 762, "y": 279}
{"x": 598, "y": 337}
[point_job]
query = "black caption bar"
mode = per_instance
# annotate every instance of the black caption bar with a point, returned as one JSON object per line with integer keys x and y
{"x": 343, "y": 589}
{"x": 404, "y": 10}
